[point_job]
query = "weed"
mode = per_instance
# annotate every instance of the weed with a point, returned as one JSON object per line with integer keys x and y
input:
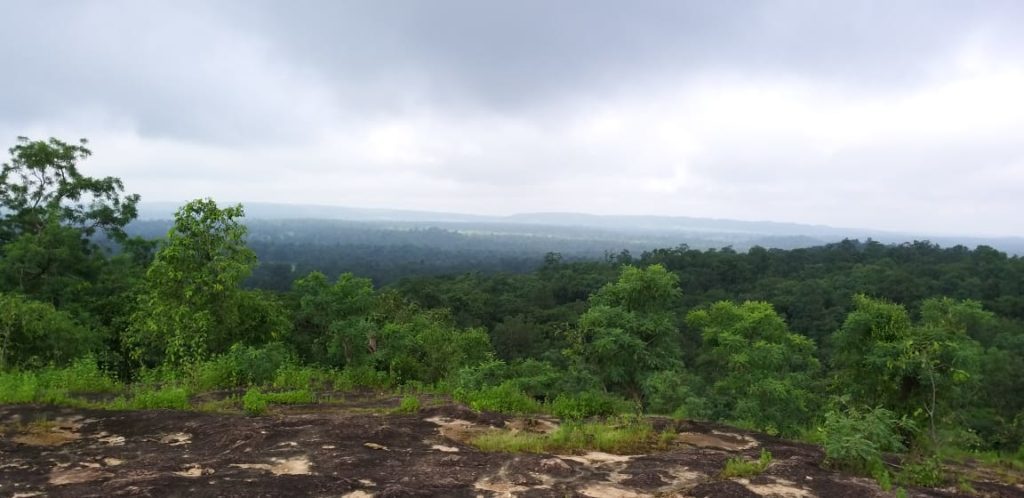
{"x": 293, "y": 397}
{"x": 504, "y": 398}
{"x": 409, "y": 404}
{"x": 589, "y": 404}
{"x": 742, "y": 467}
{"x": 254, "y": 403}
{"x": 623, "y": 435}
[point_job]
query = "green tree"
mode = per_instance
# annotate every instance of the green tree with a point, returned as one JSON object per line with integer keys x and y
{"x": 630, "y": 332}
{"x": 918, "y": 370}
{"x": 193, "y": 304}
{"x": 333, "y": 321}
{"x": 49, "y": 212}
{"x": 761, "y": 374}
{"x": 34, "y": 334}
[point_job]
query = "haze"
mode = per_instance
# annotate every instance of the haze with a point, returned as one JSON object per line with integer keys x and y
{"x": 888, "y": 115}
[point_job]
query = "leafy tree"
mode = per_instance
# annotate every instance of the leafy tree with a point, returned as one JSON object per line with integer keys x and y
{"x": 49, "y": 212}
{"x": 918, "y": 370}
{"x": 34, "y": 334}
{"x": 193, "y": 305}
{"x": 760, "y": 374}
{"x": 334, "y": 323}
{"x": 630, "y": 331}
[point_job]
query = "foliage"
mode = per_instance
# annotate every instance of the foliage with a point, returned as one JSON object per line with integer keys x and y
{"x": 242, "y": 366}
{"x": 408, "y": 405}
{"x": 742, "y": 467}
{"x": 254, "y": 403}
{"x": 854, "y": 439}
{"x": 503, "y": 398}
{"x": 761, "y": 375}
{"x": 629, "y": 331}
{"x": 918, "y": 370}
{"x": 35, "y": 334}
{"x": 619, "y": 435}
{"x": 589, "y": 404}
{"x": 193, "y": 305}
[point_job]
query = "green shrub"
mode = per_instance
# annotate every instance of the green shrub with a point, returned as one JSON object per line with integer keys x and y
{"x": 926, "y": 472}
{"x": 169, "y": 398}
{"x": 622, "y": 435}
{"x": 242, "y": 366}
{"x": 505, "y": 398}
{"x": 855, "y": 439}
{"x": 18, "y": 387}
{"x": 409, "y": 404}
{"x": 589, "y": 404}
{"x": 363, "y": 376}
{"x": 742, "y": 467}
{"x": 81, "y": 376}
{"x": 254, "y": 403}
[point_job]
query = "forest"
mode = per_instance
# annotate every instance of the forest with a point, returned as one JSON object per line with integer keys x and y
{"x": 863, "y": 347}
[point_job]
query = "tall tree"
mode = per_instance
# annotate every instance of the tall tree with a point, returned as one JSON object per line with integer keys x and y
{"x": 193, "y": 305}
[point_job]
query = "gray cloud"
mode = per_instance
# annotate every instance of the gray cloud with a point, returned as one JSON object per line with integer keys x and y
{"x": 901, "y": 115}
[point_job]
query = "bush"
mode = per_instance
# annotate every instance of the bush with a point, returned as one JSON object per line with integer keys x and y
{"x": 409, "y": 404}
{"x": 741, "y": 467}
{"x": 166, "y": 398}
{"x": 505, "y": 398}
{"x": 254, "y": 403}
{"x": 855, "y": 439}
{"x": 926, "y": 472}
{"x": 242, "y": 366}
{"x": 623, "y": 435}
{"x": 589, "y": 404}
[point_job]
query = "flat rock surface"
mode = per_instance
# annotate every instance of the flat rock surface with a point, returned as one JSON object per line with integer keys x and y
{"x": 333, "y": 450}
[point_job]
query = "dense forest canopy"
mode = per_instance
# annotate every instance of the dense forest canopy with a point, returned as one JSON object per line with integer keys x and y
{"x": 924, "y": 340}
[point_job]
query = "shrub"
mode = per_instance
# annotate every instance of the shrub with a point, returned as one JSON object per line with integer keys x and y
{"x": 409, "y": 404}
{"x": 169, "y": 398}
{"x": 505, "y": 398}
{"x": 589, "y": 404}
{"x": 742, "y": 467}
{"x": 254, "y": 403}
{"x": 855, "y": 439}
{"x": 18, "y": 387}
{"x": 242, "y": 366}
{"x": 623, "y": 435}
{"x": 926, "y": 472}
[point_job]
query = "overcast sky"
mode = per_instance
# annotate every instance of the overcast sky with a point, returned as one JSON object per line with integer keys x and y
{"x": 902, "y": 115}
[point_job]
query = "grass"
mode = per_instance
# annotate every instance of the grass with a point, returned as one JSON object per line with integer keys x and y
{"x": 622, "y": 436}
{"x": 408, "y": 405}
{"x": 742, "y": 467}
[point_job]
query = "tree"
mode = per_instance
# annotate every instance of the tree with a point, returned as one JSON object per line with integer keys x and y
{"x": 917, "y": 370}
{"x": 761, "y": 374}
{"x": 49, "y": 212}
{"x": 334, "y": 320}
{"x": 629, "y": 332}
{"x": 193, "y": 305}
{"x": 34, "y": 334}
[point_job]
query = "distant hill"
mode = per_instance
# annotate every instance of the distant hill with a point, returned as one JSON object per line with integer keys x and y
{"x": 613, "y": 232}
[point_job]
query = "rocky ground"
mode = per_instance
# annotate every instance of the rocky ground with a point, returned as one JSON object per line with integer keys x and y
{"x": 357, "y": 449}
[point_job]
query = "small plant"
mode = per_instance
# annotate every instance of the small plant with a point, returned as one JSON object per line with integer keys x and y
{"x": 620, "y": 435}
{"x": 742, "y": 467}
{"x": 409, "y": 404}
{"x": 504, "y": 398}
{"x": 254, "y": 403}
{"x": 165, "y": 398}
{"x": 927, "y": 472}
{"x": 855, "y": 439}
{"x": 589, "y": 404}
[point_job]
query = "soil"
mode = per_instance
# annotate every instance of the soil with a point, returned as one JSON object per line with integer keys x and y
{"x": 353, "y": 448}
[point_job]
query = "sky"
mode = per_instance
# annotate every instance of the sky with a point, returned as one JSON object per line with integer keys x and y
{"x": 895, "y": 115}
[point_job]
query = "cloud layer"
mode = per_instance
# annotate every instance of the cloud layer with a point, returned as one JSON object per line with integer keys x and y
{"x": 892, "y": 115}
